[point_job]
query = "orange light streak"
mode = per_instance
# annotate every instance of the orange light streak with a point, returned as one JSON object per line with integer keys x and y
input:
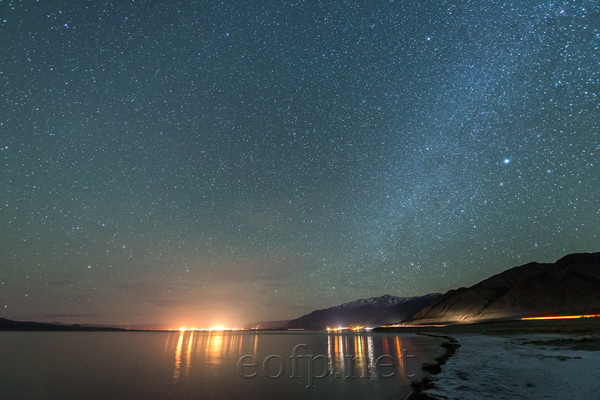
{"x": 563, "y": 317}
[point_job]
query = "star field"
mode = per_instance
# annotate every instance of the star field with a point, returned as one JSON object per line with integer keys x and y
{"x": 222, "y": 162}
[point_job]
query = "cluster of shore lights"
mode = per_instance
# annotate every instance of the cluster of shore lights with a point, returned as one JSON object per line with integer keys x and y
{"x": 563, "y": 317}
{"x": 348, "y": 328}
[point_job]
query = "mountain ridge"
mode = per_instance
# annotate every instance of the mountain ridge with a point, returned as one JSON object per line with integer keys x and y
{"x": 372, "y": 311}
{"x": 568, "y": 286}
{"x": 386, "y": 300}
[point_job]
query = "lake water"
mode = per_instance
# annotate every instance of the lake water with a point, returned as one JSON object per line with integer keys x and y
{"x": 210, "y": 365}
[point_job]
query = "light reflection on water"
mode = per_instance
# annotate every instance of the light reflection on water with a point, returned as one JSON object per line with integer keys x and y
{"x": 351, "y": 355}
{"x": 185, "y": 343}
{"x": 350, "y": 359}
{"x": 212, "y": 347}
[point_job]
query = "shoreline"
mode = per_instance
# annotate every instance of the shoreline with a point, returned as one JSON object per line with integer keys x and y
{"x": 420, "y": 386}
{"x": 520, "y": 366}
{"x": 517, "y": 348}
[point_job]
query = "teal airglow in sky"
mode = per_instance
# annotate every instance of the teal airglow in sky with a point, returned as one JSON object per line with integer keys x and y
{"x": 222, "y": 162}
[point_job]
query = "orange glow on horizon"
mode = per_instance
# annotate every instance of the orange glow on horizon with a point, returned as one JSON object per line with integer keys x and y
{"x": 214, "y": 328}
{"x": 563, "y": 317}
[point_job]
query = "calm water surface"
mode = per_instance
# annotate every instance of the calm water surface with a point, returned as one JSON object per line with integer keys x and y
{"x": 206, "y": 365}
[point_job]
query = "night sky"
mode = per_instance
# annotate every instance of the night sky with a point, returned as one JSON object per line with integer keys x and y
{"x": 223, "y": 162}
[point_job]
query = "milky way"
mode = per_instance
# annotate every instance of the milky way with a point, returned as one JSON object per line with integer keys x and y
{"x": 224, "y": 162}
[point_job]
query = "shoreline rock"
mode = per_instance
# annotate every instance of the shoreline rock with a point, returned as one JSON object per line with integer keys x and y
{"x": 420, "y": 386}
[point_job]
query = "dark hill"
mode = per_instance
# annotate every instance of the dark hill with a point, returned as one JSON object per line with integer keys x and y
{"x": 569, "y": 286}
{"x": 10, "y": 325}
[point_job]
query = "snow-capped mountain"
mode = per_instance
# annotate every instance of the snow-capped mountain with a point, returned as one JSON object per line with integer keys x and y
{"x": 374, "y": 311}
{"x": 386, "y": 300}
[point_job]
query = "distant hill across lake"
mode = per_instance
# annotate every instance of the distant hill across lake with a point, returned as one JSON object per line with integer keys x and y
{"x": 11, "y": 325}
